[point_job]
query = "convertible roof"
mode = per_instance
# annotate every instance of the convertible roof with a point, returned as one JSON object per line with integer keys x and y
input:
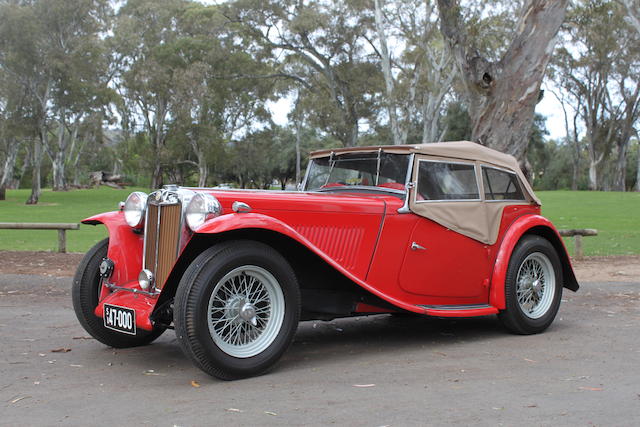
{"x": 455, "y": 149}
{"x": 462, "y": 150}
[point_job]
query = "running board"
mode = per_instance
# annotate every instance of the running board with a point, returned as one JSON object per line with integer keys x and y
{"x": 459, "y": 310}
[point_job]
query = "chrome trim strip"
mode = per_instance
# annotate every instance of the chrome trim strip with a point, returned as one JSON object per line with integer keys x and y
{"x": 144, "y": 239}
{"x": 408, "y": 185}
{"x": 455, "y": 307}
{"x": 158, "y": 221}
{"x": 303, "y": 184}
{"x": 133, "y": 290}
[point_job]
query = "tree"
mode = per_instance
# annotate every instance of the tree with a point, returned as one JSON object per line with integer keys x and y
{"x": 53, "y": 53}
{"x": 417, "y": 80}
{"x": 148, "y": 66}
{"x": 502, "y": 94}
{"x": 599, "y": 77}
{"x": 322, "y": 49}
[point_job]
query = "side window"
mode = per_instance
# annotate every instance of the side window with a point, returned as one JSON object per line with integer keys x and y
{"x": 501, "y": 185}
{"x": 446, "y": 181}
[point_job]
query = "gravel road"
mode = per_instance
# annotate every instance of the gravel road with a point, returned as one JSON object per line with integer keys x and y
{"x": 375, "y": 371}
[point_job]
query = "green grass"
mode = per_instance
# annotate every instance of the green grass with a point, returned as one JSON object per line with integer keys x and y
{"x": 615, "y": 215}
{"x": 59, "y": 206}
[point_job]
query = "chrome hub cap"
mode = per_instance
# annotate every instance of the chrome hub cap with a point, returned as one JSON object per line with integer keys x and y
{"x": 536, "y": 285}
{"x": 246, "y": 311}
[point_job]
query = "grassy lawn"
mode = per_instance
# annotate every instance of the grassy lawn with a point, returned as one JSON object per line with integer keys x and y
{"x": 64, "y": 206}
{"x": 616, "y": 216}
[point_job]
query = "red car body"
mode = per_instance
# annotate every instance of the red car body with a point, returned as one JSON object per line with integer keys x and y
{"x": 370, "y": 238}
{"x": 362, "y": 237}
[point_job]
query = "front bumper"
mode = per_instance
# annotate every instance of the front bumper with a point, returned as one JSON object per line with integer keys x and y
{"x": 142, "y": 303}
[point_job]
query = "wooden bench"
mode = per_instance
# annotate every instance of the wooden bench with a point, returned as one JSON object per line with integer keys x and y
{"x": 577, "y": 238}
{"x": 61, "y": 227}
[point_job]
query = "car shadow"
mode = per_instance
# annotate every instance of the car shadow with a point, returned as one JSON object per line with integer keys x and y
{"x": 323, "y": 343}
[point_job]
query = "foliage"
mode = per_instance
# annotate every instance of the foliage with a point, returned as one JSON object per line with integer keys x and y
{"x": 178, "y": 91}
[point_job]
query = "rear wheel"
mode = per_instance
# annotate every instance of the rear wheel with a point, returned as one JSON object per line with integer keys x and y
{"x": 237, "y": 309}
{"x": 533, "y": 286}
{"x": 85, "y": 293}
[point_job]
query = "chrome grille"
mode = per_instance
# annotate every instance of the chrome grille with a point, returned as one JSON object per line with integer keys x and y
{"x": 162, "y": 236}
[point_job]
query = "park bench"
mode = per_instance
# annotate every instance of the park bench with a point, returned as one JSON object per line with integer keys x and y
{"x": 61, "y": 227}
{"x": 577, "y": 238}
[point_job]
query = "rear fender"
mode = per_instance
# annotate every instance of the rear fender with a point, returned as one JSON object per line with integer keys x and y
{"x": 527, "y": 224}
{"x": 125, "y": 246}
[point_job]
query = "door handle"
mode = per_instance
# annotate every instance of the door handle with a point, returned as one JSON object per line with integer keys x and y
{"x": 415, "y": 247}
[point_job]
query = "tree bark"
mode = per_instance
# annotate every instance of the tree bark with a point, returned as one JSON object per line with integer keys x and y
{"x": 9, "y": 166}
{"x": 502, "y": 96}
{"x": 385, "y": 61}
{"x": 638, "y": 170}
{"x": 36, "y": 163}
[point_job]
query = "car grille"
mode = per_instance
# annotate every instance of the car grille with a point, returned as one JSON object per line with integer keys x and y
{"x": 162, "y": 238}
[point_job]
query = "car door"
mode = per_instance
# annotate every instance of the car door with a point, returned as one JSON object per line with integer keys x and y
{"x": 441, "y": 259}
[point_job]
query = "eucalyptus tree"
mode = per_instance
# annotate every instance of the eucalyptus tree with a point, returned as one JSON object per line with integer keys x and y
{"x": 599, "y": 74}
{"x": 144, "y": 42}
{"x": 24, "y": 59}
{"x": 212, "y": 102}
{"x": 502, "y": 86}
{"x": 420, "y": 75}
{"x": 321, "y": 46}
{"x": 79, "y": 60}
{"x": 52, "y": 51}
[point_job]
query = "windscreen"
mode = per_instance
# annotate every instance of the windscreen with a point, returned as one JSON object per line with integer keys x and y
{"x": 381, "y": 170}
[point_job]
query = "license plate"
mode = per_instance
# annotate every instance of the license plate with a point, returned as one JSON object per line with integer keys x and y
{"x": 120, "y": 319}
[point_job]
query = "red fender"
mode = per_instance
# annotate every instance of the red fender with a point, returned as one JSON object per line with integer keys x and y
{"x": 239, "y": 221}
{"x": 533, "y": 224}
{"x": 125, "y": 246}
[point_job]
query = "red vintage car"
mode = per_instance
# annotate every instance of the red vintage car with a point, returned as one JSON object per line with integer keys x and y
{"x": 446, "y": 229}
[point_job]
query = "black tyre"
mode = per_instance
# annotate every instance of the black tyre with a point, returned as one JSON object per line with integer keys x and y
{"x": 236, "y": 309}
{"x": 85, "y": 293}
{"x": 533, "y": 286}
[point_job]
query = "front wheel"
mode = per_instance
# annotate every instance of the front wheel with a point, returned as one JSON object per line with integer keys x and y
{"x": 237, "y": 309}
{"x": 533, "y": 286}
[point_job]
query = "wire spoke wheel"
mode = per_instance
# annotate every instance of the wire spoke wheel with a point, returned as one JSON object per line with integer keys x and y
{"x": 245, "y": 311}
{"x": 535, "y": 285}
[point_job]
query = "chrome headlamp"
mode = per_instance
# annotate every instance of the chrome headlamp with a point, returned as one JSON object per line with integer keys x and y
{"x": 134, "y": 208}
{"x": 201, "y": 208}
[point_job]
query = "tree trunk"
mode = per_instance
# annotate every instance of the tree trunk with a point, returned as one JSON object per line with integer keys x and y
{"x": 57, "y": 166}
{"x": 36, "y": 162}
{"x": 9, "y": 166}
{"x": 593, "y": 174}
{"x": 620, "y": 179}
{"x": 638, "y": 171}
{"x": 14, "y": 182}
{"x": 156, "y": 176}
{"x": 385, "y": 60}
{"x": 502, "y": 96}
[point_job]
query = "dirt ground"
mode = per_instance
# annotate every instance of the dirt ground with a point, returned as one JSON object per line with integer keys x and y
{"x": 622, "y": 268}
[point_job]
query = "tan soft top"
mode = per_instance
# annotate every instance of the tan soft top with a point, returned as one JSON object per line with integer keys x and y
{"x": 464, "y": 150}
{"x": 480, "y": 219}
